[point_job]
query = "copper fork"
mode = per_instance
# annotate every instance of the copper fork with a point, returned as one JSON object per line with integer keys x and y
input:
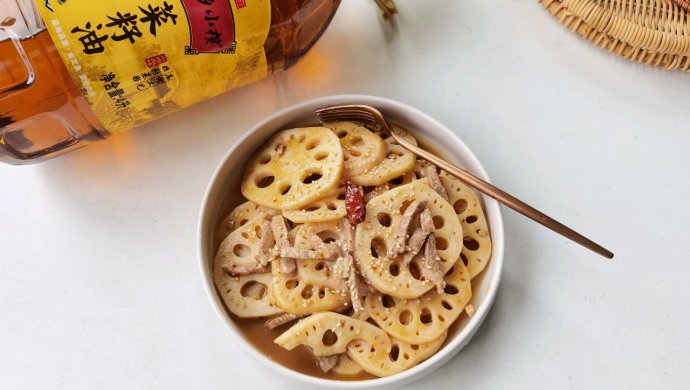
{"x": 371, "y": 117}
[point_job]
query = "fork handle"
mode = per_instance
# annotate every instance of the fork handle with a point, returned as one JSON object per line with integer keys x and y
{"x": 507, "y": 199}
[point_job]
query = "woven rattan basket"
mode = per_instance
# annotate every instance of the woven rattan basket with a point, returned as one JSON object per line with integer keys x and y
{"x": 653, "y": 32}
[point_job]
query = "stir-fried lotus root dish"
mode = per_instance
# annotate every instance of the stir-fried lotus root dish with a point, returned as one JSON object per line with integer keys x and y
{"x": 349, "y": 252}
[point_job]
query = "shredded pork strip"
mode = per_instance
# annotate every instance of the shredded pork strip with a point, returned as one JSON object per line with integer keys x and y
{"x": 265, "y": 244}
{"x": 344, "y": 267}
{"x": 426, "y": 221}
{"x": 305, "y": 254}
{"x": 340, "y": 267}
{"x": 326, "y": 251}
{"x": 348, "y": 236}
{"x": 245, "y": 269}
{"x": 326, "y": 363}
{"x": 415, "y": 245}
{"x": 288, "y": 265}
{"x": 428, "y": 170}
{"x": 281, "y": 319}
{"x": 432, "y": 264}
{"x": 416, "y": 242}
{"x": 402, "y": 230}
{"x": 353, "y": 286}
{"x": 279, "y": 230}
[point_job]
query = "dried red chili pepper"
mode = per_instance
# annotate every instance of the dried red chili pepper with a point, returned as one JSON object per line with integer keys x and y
{"x": 354, "y": 203}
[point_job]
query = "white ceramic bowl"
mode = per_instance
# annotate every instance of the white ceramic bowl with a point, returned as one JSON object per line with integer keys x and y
{"x": 431, "y": 132}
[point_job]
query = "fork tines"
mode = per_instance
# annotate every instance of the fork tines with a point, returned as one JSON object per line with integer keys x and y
{"x": 345, "y": 113}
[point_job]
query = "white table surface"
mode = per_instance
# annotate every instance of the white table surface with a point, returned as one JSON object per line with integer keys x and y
{"x": 100, "y": 288}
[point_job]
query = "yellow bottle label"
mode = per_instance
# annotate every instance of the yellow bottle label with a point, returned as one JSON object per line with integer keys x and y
{"x": 137, "y": 60}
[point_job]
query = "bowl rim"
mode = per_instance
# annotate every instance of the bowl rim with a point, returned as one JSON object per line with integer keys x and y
{"x": 460, "y": 339}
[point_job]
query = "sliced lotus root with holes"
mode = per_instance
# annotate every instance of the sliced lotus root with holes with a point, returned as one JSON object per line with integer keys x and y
{"x": 294, "y": 168}
{"x": 362, "y": 149}
{"x": 425, "y": 318}
{"x": 238, "y": 217}
{"x": 329, "y": 208}
{"x": 317, "y": 273}
{"x": 312, "y": 289}
{"x": 346, "y": 366}
{"x": 328, "y": 232}
{"x": 329, "y": 333}
{"x": 398, "y": 161}
{"x": 368, "y": 345}
{"x": 398, "y": 358}
{"x": 406, "y": 178}
{"x": 240, "y": 251}
{"x": 245, "y": 296}
{"x": 376, "y": 235}
{"x": 476, "y": 251}
{"x": 372, "y": 192}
